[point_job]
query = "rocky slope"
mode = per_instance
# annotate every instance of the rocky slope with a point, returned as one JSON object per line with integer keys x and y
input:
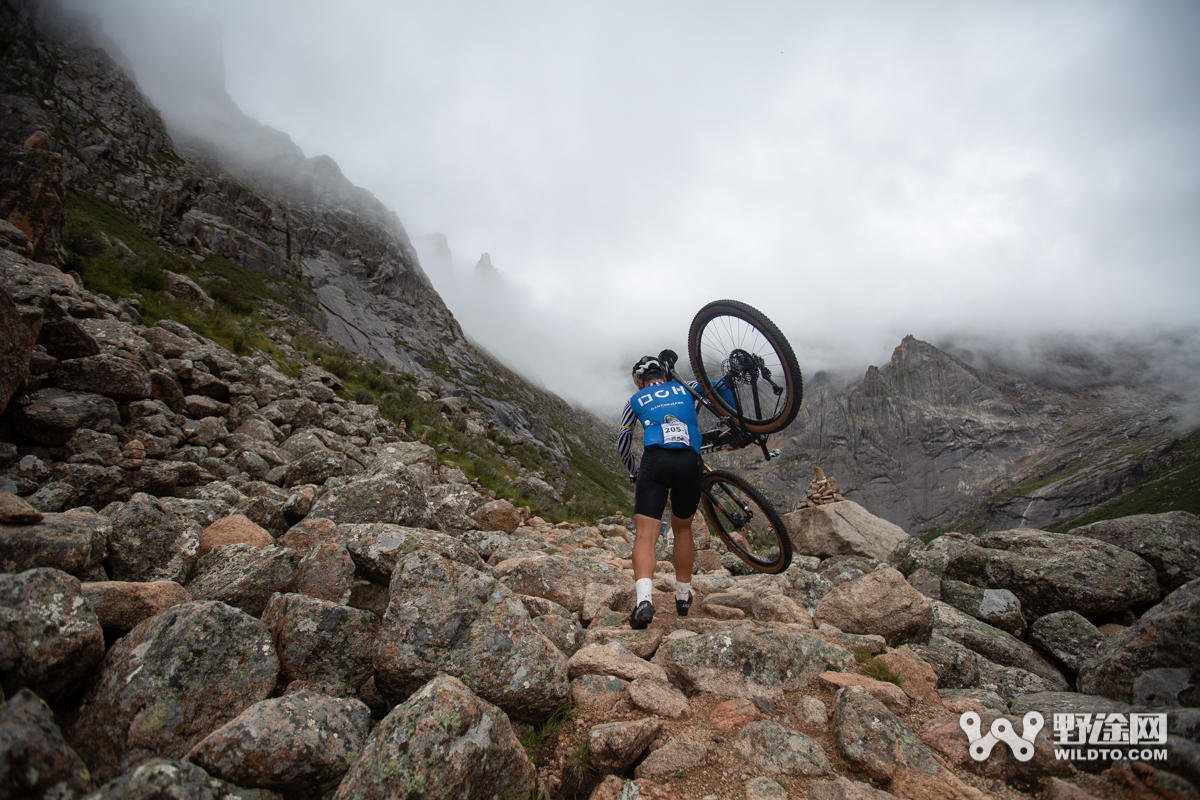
{"x": 261, "y": 205}
{"x": 929, "y": 442}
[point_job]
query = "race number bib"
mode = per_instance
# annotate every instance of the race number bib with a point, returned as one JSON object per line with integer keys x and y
{"x": 676, "y": 433}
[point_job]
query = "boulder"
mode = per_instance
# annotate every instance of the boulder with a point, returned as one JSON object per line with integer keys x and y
{"x": 734, "y": 713}
{"x": 612, "y": 659}
{"x": 614, "y": 746}
{"x": 880, "y": 602}
{"x": 999, "y": 608}
{"x": 944, "y": 735}
{"x": 775, "y": 749}
{"x": 658, "y": 698}
{"x": 597, "y": 694}
{"x": 233, "y": 529}
{"x": 19, "y": 336}
{"x": 842, "y": 528}
{"x": 497, "y": 515}
{"x": 678, "y": 755}
{"x": 74, "y": 541}
{"x": 326, "y": 572}
{"x": 150, "y": 542}
{"x": 994, "y": 644}
{"x": 51, "y": 416}
{"x": 121, "y": 605}
{"x": 1153, "y": 661}
{"x": 873, "y": 740}
{"x": 15, "y": 511}
{"x": 748, "y": 663}
{"x": 563, "y": 579}
{"x": 108, "y": 375}
{"x": 49, "y": 636}
{"x": 564, "y": 632}
{"x": 323, "y": 644}
{"x": 889, "y": 694}
{"x": 955, "y": 665}
{"x": 1051, "y": 572}
{"x": 299, "y": 744}
{"x": 1169, "y": 542}
{"x": 169, "y": 682}
{"x": 1067, "y": 636}
{"x": 441, "y": 737}
{"x": 641, "y": 643}
{"x": 446, "y": 617}
{"x": 35, "y": 759}
{"x": 376, "y": 548}
{"x": 160, "y": 778}
{"x": 244, "y": 576}
{"x": 388, "y": 492}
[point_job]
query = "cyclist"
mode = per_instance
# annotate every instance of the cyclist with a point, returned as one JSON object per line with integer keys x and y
{"x": 670, "y": 464}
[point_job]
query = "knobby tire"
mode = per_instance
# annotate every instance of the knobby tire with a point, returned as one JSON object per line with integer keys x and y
{"x": 771, "y": 548}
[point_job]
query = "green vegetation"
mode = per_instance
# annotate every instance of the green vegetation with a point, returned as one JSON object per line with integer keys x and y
{"x": 236, "y": 322}
{"x": 1173, "y": 486}
{"x": 542, "y": 734}
{"x": 881, "y": 672}
{"x": 581, "y": 759}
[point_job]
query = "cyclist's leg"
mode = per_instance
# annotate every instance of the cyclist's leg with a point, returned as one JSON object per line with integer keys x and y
{"x": 650, "y": 500}
{"x": 685, "y": 498}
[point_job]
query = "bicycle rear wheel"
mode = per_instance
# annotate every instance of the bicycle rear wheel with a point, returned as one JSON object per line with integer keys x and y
{"x": 746, "y": 522}
{"x": 735, "y": 345}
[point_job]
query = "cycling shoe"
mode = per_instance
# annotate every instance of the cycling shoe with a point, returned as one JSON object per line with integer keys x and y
{"x": 683, "y": 606}
{"x": 642, "y": 616}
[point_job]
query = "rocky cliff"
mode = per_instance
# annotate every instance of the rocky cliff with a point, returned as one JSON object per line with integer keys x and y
{"x": 236, "y": 189}
{"x": 927, "y": 441}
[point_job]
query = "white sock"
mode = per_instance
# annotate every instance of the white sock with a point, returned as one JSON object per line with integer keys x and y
{"x": 645, "y": 590}
{"x": 682, "y": 590}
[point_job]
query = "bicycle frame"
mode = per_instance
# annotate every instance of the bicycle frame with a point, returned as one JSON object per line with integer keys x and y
{"x": 727, "y": 421}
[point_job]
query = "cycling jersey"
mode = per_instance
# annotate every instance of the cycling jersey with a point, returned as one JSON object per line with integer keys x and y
{"x": 668, "y": 416}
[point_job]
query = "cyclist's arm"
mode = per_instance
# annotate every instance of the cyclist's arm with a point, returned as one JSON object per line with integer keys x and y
{"x": 625, "y": 440}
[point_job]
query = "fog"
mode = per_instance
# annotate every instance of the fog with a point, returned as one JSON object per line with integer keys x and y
{"x": 985, "y": 172}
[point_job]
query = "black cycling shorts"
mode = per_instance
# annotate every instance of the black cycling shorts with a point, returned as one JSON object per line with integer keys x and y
{"x": 662, "y": 471}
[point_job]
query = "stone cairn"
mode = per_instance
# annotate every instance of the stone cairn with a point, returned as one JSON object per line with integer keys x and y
{"x": 821, "y": 490}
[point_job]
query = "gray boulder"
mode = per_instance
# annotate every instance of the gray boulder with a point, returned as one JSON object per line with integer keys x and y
{"x": 376, "y": 547}
{"x": 873, "y": 740}
{"x": 445, "y": 737}
{"x": 74, "y": 541}
{"x": 150, "y": 542}
{"x": 994, "y": 644}
{"x": 563, "y": 580}
{"x": 842, "y": 528}
{"x": 388, "y": 492}
{"x": 775, "y": 749}
{"x": 167, "y": 779}
{"x": 1067, "y": 636}
{"x": 299, "y": 744}
{"x": 446, "y": 617}
{"x": 748, "y": 663}
{"x": 51, "y": 416}
{"x": 49, "y": 636}
{"x": 999, "y": 608}
{"x": 244, "y": 576}
{"x": 1153, "y": 661}
{"x": 1169, "y": 542}
{"x": 880, "y": 602}
{"x": 35, "y": 759}
{"x": 324, "y": 644}
{"x": 109, "y": 375}
{"x": 1051, "y": 572}
{"x": 170, "y": 682}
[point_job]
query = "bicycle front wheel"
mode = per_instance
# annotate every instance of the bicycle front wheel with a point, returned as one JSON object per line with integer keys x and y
{"x": 746, "y": 522}
{"x": 737, "y": 347}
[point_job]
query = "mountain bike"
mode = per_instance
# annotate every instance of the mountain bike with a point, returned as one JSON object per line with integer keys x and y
{"x": 748, "y": 378}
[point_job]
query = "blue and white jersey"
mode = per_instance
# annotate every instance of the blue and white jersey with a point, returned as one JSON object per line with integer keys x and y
{"x": 668, "y": 416}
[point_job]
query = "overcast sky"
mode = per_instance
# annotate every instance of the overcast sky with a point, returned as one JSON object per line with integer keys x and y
{"x": 858, "y": 171}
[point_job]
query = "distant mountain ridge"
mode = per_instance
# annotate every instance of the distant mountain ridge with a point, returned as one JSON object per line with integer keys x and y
{"x": 929, "y": 442}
